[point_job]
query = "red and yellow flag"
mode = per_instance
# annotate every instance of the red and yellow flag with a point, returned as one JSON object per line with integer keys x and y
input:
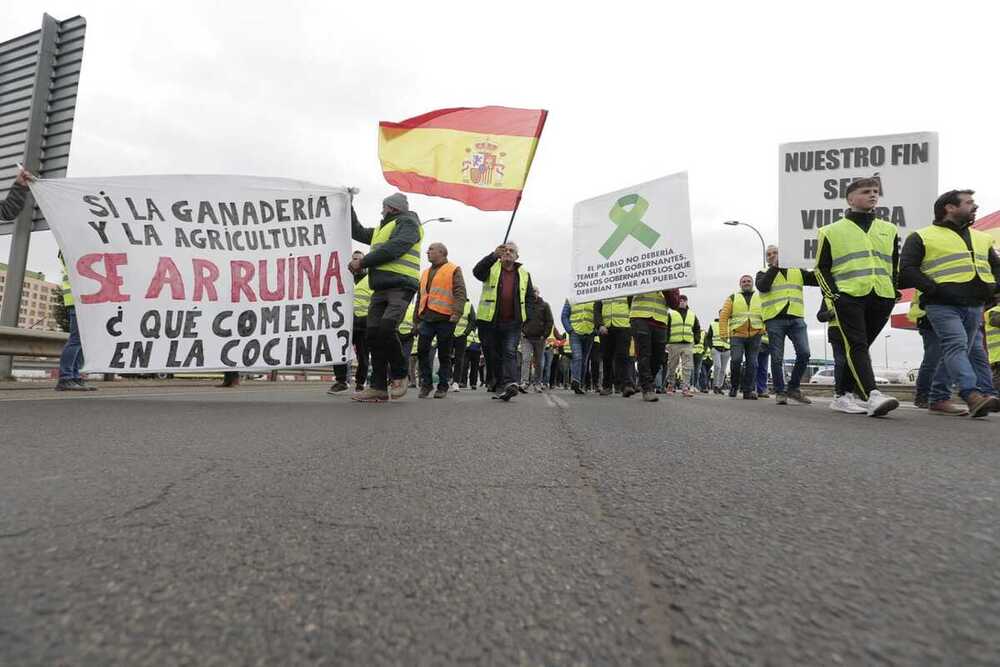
{"x": 479, "y": 156}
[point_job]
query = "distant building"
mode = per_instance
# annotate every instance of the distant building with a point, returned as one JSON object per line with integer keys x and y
{"x": 37, "y": 299}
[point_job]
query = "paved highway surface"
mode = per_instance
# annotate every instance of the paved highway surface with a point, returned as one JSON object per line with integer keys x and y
{"x": 277, "y": 525}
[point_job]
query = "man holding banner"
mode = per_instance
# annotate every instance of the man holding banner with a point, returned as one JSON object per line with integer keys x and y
{"x": 393, "y": 265}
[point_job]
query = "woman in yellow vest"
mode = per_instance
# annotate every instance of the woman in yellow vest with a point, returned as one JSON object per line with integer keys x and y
{"x": 957, "y": 272}
{"x": 856, "y": 268}
{"x": 742, "y": 323}
{"x": 393, "y": 266}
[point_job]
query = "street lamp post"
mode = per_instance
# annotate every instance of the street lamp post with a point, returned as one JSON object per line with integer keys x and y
{"x": 435, "y": 220}
{"x": 763, "y": 248}
{"x": 887, "y": 337}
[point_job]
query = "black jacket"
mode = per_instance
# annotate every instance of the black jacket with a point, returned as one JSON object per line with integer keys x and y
{"x": 404, "y": 236}
{"x": 12, "y": 204}
{"x": 482, "y": 272}
{"x": 539, "y": 325}
{"x": 974, "y": 292}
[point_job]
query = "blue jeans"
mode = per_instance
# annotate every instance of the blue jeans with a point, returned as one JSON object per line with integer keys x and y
{"x": 581, "y": 354}
{"x": 796, "y": 330}
{"x": 72, "y": 354}
{"x": 932, "y": 378}
{"x": 762, "y": 356}
{"x": 957, "y": 329}
{"x": 743, "y": 363}
{"x": 546, "y": 365}
{"x": 443, "y": 331}
{"x": 506, "y": 341}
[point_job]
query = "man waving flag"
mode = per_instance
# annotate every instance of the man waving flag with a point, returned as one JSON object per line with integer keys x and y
{"x": 478, "y": 156}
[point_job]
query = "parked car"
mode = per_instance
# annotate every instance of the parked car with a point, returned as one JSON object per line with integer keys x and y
{"x": 825, "y": 376}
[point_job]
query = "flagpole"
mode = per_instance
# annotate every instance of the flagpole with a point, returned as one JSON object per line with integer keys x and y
{"x": 531, "y": 158}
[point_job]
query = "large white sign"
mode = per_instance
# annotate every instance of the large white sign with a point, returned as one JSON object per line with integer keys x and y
{"x": 633, "y": 241}
{"x": 190, "y": 273}
{"x": 813, "y": 177}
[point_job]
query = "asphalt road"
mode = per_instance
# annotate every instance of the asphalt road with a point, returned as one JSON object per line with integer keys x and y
{"x": 277, "y": 525}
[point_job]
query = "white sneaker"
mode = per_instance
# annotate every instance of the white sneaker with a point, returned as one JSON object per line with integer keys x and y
{"x": 454, "y": 386}
{"x": 879, "y": 404}
{"x": 848, "y": 403}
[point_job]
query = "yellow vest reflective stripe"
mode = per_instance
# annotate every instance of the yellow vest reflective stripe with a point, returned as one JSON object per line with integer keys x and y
{"x": 764, "y": 340}
{"x": 615, "y": 312}
{"x": 699, "y": 344}
{"x": 409, "y": 263}
{"x": 567, "y": 348}
{"x": 473, "y": 336}
{"x": 861, "y": 262}
{"x": 463, "y": 321}
{"x": 488, "y": 299}
{"x": 67, "y": 292}
{"x": 681, "y": 327}
{"x": 784, "y": 290}
{"x": 581, "y": 317}
{"x": 649, "y": 305}
{"x": 362, "y": 297}
{"x": 992, "y": 336}
{"x": 743, "y": 312}
{"x": 916, "y": 311}
{"x": 948, "y": 260}
{"x": 717, "y": 341}
{"x": 406, "y": 324}
{"x": 829, "y": 306}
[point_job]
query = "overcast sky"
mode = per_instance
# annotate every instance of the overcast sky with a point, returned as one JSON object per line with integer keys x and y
{"x": 634, "y": 90}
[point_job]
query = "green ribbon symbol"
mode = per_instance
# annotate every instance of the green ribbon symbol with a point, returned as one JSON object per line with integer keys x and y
{"x": 629, "y": 223}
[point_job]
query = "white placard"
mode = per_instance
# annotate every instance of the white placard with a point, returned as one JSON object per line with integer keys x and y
{"x": 197, "y": 273}
{"x": 633, "y": 240}
{"x": 813, "y": 177}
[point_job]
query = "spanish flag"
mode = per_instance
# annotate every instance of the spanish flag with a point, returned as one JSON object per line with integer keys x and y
{"x": 478, "y": 156}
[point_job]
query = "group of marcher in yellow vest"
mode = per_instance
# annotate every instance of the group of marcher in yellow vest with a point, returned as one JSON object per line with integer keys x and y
{"x": 955, "y": 270}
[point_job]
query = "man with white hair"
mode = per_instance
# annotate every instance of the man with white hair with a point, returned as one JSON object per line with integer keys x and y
{"x": 393, "y": 265}
{"x": 503, "y": 307}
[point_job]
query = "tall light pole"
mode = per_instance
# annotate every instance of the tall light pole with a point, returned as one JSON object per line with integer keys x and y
{"x": 763, "y": 248}
{"x": 435, "y": 220}
{"x": 887, "y": 337}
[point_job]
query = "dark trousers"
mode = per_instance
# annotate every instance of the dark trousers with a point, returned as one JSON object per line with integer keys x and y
{"x": 458, "y": 372}
{"x": 743, "y": 363}
{"x": 614, "y": 354}
{"x": 72, "y": 353}
{"x": 593, "y": 379}
{"x": 839, "y": 360}
{"x": 443, "y": 331}
{"x": 650, "y": 346}
{"x": 487, "y": 341}
{"x": 361, "y": 352}
{"x": 506, "y": 339}
{"x": 472, "y": 364}
{"x": 386, "y": 311}
{"x": 861, "y": 319}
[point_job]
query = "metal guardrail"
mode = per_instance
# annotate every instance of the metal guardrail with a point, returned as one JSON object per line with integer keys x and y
{"x": 31, "y": 342}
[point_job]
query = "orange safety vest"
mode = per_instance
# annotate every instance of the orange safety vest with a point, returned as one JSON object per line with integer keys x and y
{"x": 440, "y": 296}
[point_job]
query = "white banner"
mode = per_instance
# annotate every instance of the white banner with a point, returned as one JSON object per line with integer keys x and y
{"x": 198, "y": 273}
{"x": 633, "y": 241}
{"x": 813, "y": 177}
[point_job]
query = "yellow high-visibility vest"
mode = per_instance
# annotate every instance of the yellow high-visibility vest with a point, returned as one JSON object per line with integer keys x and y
{"x": 744, "y": 312}
{"x": 992, "y": 336}
{"x": 861, "y": 262}
{"x": 681, "y": 326}
{"x": 406, "y": 324}
{"x": 948, "y": 260}
{"x": 649, "y": 305}
{"x": 717, "y": 341}
{"x": 362, "y": 297}
{"x": 784, "y": 290}
{"x": 409, "y": 263}
{"x": 615, "y": 312}
{"x": 581, "y": 317}
{"x": 488, "y": 299}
